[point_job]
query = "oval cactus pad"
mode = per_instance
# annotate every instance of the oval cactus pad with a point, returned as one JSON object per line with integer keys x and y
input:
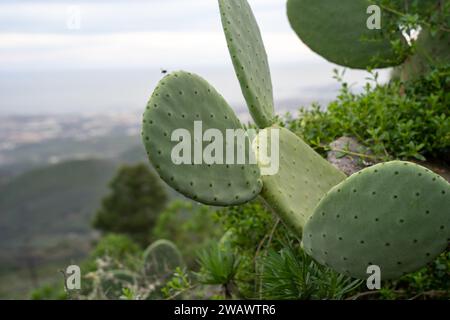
{"x": 395, "y": 215}
{"x": 161, "y": 258}
{"x": 302, "y": 180}
{"x": 338, "y": 32}
{"x": 184, "y": 128}
{"x": 249, "y": 59}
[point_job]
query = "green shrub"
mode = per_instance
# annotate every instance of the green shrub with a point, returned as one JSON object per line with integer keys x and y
{"x": 395, "y": 120}
{"x": 431, "y": 282}
{"x": 290, "y": 274}
{"x": 49, "y": 292}
{"x": 132, "y": 207}
{"x": 115, "y": 246}
{"x": 218, "y": 266}
{"x": 189, "y": 226}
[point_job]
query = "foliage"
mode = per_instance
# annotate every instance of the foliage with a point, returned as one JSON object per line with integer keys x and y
{"x": 249, "y": 224}
{"x": 394, "y": 120}
{"x": 251, "y": 228}
{"x": 132, "y": 207}
{"x": 42, "y": 204}
{"x": 219, "y": 265}
{"x": 120, "y": 251}
{"x": 118, "y": 247}
{"x": 143, "y": 279}
{"x": 414, "y": 14}
{"x": 49, "y": 292}
{"x": 179, "y": 283}
{"x": 128, "y": 294}
{"x": 432, "y": 281}
{"x": 188, "y": 225}
{"x": 291, "y": 274}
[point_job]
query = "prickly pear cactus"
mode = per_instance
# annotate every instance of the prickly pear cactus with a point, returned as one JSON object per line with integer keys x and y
{"x": 339, "y": 33}
{"x": 395, "y": 215}
{"x": 303, "y": 178}
{"x": 249, "y": 59}
{"x": 182, "y": 101}
{"x": 161, "y": 258}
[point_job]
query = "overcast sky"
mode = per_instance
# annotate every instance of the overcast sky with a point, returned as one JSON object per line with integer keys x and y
{"x": 108, "y": 57}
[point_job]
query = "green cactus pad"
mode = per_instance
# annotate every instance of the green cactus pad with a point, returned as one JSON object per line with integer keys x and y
{"x": 302, "y": 180}
{"x": 179, "y": 100}
{"x": 161, "y": 258}
{"x": 249, "y": 59}
{"x": 394, "y": 215}
{"x": 339, "y": 33}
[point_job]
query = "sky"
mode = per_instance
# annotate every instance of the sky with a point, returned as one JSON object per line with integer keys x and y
{"x": 98, "y": 56}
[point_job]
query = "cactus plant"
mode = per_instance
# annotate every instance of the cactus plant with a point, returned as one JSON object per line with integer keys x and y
{"x": 303, "y": 178}
{"x": 340, "y": 34}
{"x": 395, "y": 215}
{"x": 298, "y": 191}
{"x": 161, "y": 258}
{"x": 159, "y": 262}
{"x": 249, "y": 59}
{"x": 180, "y": 99}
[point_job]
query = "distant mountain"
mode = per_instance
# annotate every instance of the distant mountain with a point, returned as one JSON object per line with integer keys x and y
{"x": 45, "y": 207}
{"x": 53, "y": 200}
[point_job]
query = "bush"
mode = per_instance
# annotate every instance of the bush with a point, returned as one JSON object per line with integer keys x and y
{"x": 218, "y": 266}
{"x": 290, "y": 274}
{"x": 190, "y": 226}
{"x": 115, "y": 246}
{"x": 396, "y": 120}
{"x": 132, "y": 208}
{"x": 49, "y": 292}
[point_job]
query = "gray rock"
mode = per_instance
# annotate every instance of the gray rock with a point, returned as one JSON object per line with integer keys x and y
{"x": 342, "y": 157}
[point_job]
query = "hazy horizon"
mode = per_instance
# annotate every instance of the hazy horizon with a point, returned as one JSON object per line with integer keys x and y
{"x": 112, "y": 62}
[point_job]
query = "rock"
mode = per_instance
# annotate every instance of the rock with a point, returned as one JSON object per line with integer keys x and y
{"x": 342, "y": 155}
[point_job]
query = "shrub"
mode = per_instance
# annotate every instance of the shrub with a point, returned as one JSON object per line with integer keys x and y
{"x": 136, "y": 199}
{"x": 291, "y": 274}
{"x": 395, "y": 120}
{"x": 189, "y": 226}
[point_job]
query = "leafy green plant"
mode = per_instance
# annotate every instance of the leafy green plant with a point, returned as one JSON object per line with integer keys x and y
{"x": 49, "y": 292}
{"x": 430, "y": 282}
{"x": 251, "y": 230}
{"x": 115, "y": 246}
{"x": 218, "y": 266}
{"x": 290, "y": 274}
{"x": 394, "y": 120}
{"x": 136, "y": 198}
{"x": 189, "y": 225}
{"x": 177, "y": 285}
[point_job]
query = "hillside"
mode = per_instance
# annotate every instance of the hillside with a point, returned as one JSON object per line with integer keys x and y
{"x": 57, "y": 199}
